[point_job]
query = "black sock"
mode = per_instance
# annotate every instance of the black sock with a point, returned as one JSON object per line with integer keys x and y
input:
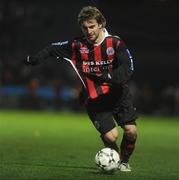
{"x": 127, "y": 147}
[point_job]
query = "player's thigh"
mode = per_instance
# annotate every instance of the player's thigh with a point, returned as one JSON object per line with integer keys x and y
{"x": 103, "y": 121}
{"x": 130, "y": 130}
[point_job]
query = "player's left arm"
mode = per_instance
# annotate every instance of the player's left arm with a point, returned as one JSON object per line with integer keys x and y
{"x": 123, "y": 64}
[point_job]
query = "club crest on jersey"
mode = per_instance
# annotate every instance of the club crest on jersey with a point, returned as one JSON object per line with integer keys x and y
{"x": 110, "y": 51}
{"x": 84, "y": 50}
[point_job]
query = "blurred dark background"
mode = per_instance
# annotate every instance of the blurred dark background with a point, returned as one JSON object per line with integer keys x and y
{"x": 149, "y": 28}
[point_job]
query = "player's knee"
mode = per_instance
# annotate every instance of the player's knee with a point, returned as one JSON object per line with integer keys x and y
{"x": 110, "y": 139}
{"x": 111, "y": 136}
{"x": 130, "y": 131}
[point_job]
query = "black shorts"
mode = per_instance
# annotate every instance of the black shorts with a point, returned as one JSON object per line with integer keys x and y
{"x": 115, "y": 107}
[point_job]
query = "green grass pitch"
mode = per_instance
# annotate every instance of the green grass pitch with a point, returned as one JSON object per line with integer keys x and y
{"x": 62, "y": 146}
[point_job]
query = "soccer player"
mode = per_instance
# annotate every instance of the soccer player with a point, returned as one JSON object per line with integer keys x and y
{"x": 104, "y": 66}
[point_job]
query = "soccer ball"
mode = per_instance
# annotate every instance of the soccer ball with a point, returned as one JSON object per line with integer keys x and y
{"x": 107, "y": 160}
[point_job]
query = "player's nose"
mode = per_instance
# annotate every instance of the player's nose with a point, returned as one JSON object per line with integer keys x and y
{"x": 89, "y": 31}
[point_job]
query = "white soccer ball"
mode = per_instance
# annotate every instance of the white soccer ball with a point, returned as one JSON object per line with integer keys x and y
{"x": 107, "y": 160}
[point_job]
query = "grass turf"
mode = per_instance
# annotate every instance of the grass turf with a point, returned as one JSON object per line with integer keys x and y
{"x": 50, "y": 146}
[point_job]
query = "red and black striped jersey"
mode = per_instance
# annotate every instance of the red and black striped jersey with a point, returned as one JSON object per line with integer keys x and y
{"x": 93, "y": 60}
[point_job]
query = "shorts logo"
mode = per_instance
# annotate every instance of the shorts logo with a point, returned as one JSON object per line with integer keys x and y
{"x": 110, "y": 51}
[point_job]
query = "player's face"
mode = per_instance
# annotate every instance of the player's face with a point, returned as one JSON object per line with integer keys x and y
{"x": 92, "y": 30}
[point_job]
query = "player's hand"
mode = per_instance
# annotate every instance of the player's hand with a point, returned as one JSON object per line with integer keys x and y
{"x": 105, "y": 77}
{"x": 31, "y": 60}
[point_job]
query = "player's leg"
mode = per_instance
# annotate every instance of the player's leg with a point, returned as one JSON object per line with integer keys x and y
{"x": 104, "y": 123}
{"x": 110, "y": 138}
{"x": 100, "y": 113}
{"x": 128, "y": 142}
{"x": 127, "y": 146}
{"x": 125, "y": 115}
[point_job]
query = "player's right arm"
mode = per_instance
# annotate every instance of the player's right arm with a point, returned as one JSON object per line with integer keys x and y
{"x": 57, "y": 50}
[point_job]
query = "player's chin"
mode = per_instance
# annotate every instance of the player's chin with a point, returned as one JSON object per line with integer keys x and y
{"x": 92, "y": 40}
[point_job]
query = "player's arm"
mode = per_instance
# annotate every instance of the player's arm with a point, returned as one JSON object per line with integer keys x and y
{"x": 123, "y": 65}
{"x": 58, "y": 49}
